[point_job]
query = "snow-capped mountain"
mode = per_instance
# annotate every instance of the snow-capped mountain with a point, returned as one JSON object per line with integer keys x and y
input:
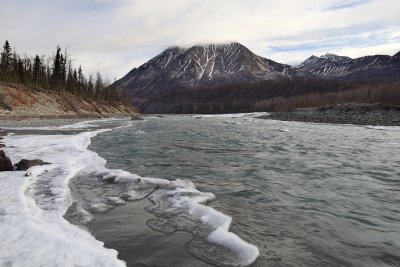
{"x": 178, "y": 68}
{"x": 178, "y": 79}
{"x": 378, "y": 67}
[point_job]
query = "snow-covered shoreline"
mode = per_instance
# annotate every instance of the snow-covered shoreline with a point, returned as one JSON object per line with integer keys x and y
{"x": 32, "y": 204}
{"x": 33, "y": 231}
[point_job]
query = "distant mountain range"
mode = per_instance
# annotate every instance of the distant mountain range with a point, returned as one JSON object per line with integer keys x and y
{"x": 329, "y": 66}
{"x": 210, "y": 66}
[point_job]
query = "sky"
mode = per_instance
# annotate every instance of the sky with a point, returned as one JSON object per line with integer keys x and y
{"x": 114, "y": 36}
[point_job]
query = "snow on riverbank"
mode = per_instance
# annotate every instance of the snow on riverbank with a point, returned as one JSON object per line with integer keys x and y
{"x": 33, "y": 231}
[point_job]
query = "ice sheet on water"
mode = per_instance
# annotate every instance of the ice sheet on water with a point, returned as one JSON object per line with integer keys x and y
{"x": 77, "y": 184}
{"x": 182, "y": 209}
{"x": 383, "y": 128}
{"x": 33, "y": 231}
{"x": 233, "y": 115}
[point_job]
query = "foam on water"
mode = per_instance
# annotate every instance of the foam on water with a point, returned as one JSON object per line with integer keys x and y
{"x": 383, "y": 128}
{"x": 34, "y": 205}
{"x": 232, "y": 115}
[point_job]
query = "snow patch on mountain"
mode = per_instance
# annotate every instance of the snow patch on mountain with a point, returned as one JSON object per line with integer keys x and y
{"x": 202, "y": 65}
{"x": 364, "y": 68}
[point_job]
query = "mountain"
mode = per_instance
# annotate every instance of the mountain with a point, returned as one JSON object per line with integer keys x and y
{"x": 199, "y": 66}
{"x": 220, "y": 78}
{"x": 377, "y": 67}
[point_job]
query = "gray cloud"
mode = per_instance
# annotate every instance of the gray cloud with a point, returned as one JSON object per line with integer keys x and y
{"x": 115, "y": 36}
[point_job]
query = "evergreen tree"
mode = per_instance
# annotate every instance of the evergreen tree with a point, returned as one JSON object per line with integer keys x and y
{"x": 6, "y": 59}
{"x": 37, "y": 69}
{"x": 98, "y": 87}
{"x": 75, "y": 81}
{"x": 13, "y": 73}
{"x": 21, "y": 71}
{"x": 70, "y": 80}
{"x": 55, "y": 78}
{"x": 63, "y": 72}
{"x": 80, "y": 82}
{"x": 55, "y": 72}
{"x": 90, "y": 87}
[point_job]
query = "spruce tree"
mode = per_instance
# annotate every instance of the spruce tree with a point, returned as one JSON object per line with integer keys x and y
{"x": 37, "y": 69}
{"x": 55, "y": 77}
{"x": 75, "y": 82}
{"x": 90, "y": 87}
{"x": 21, "y": 71}
{"x": 70, "y": 80}
{"x": 80, "y": 81}
{"x": 63, "y": 72}
{"x": 98, "y": 87}
{"x": 6, "y": 60}
{"x": 55, "y": 72}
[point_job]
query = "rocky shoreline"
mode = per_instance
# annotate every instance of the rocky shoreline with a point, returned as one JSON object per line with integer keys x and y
{"x": 351, "y": 113}
{"x": 22, "y": 165}
{"x": 54, "y": 121}
{"x": 38, "y": 122}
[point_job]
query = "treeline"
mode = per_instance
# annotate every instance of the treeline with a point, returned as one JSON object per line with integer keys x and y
{"x": 356, "y": 92}
{"x": 56, "y": 72}
{"x": 273, "y": 95}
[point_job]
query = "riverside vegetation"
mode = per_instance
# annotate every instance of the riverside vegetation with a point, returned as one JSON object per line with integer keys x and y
{"x": 53, "y": 86}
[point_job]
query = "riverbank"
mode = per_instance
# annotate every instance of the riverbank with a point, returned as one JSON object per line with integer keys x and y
{"x": 78, "y": 187}
{"x": 351, "y": 113}
{"x": 18, "y": 102}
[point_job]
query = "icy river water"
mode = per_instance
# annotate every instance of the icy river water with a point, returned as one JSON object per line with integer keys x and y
{"x": 304, "y": 194}
{"x": 223, "y": 190}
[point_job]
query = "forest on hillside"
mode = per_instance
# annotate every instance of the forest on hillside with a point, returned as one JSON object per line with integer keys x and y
{"x": 273, "y": 95}
{"x": 56, "y": 73}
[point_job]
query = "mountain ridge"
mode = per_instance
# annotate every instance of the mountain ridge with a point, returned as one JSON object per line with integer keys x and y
{"x": 374, "y": 67}
{"x": 200, "y": 60}
{"x": 201, "y": 65}
{"x": 177, "y": 70}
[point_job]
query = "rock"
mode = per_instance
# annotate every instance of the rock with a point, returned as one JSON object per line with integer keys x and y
{"x": 110, "y": 179}
{"x": 136, "y": 117}
{"x": 25, "y": 164}
{"x": 2, "y": 145}
{"x": 2, "y": 154}
{"x": 5, "y": 164}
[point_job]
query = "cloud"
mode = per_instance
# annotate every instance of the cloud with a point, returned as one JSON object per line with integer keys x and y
{"x": 113, "y": 36}
{"x": 346, "y": 4}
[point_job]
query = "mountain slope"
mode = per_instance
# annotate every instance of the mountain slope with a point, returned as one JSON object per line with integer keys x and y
{"x": 230, "y": 78}
{"x": 329, "y": 66}
{"x": 200, "y": 66}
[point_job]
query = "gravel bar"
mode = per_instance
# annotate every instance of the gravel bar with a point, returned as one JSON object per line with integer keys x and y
{"x": 352, "y": 113}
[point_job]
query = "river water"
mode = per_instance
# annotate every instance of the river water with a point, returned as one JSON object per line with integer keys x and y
{"x": 304, "y": 194}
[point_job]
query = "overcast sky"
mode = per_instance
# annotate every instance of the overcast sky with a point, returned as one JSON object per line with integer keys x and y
{"x": 113, "y": 36}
